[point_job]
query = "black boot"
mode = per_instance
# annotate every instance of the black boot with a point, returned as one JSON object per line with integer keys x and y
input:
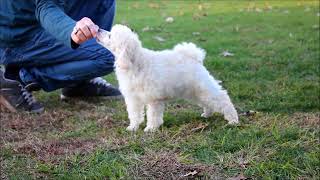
{"x": 93, "y": 88}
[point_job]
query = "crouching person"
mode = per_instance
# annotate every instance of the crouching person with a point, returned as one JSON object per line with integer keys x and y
{"x": 50, "y": 45}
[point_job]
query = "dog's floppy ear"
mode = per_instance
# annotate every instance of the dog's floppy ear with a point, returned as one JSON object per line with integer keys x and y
{"x": 125, "y": 58}
{"x": 128, "y": 49}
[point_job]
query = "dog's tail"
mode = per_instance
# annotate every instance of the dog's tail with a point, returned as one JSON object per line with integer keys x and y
{"x": 191, "y": 51}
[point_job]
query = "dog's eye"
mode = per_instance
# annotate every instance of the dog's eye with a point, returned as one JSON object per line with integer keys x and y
{"x": 132, "y": 30}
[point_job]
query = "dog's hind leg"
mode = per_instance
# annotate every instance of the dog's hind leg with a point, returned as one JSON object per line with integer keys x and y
{"x": 135, "y": 113}
{"x": 154, "y": 116}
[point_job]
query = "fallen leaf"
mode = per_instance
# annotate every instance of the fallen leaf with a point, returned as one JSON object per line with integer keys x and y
{"x": 290, "y": 35}
{"x": 196, "y": 16}
{"x": 169, "y": 19}
{"x": 267, "y": 6}
{"x": 251, "y": 6}
{"x": 192, "y": 173}
{"x": 249, "y": 113}
{"x": 226, "y": 54}
{"x": 243, "y": 163}
{"x": 239, "y": 177}
{"x": 286, "y": 12}
{"x": 136, "y": 5}
{"x": 202, "y": 39}
{"x": 258, "y": 10}
{"x": 158, "y": 38}
{"x": 204, "y": 14}
{"x": 201, "y": 127}
{"x": 307, "y": 9}
{"x": 318, "y": 14}
{"x": 196, "y": 33}
{"x": 315, "y": 26}
{"x": 145, "y": 29}
{"x": 237, "y": 28}
{"x": 154, "y": 5}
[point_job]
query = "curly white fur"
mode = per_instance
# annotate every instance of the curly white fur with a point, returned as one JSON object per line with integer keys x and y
{"x": 150, "y": 78}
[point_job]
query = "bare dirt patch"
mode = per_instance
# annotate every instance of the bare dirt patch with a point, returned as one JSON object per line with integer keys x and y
{"x": 309, "y": 120}
{"x": 38, "y": 135}
{"x": 166, "y": 165}
{"x": 53, "y": 150}
{"x": 17, "y": 126}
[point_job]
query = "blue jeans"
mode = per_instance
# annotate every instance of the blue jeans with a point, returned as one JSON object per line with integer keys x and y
{"x": 51, "y": 64}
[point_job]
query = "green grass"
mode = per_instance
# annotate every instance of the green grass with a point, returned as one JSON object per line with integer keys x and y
{"x": 274, "y": 71}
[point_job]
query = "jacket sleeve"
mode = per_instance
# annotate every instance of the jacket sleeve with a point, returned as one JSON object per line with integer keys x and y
{"x": 53, "y": 19}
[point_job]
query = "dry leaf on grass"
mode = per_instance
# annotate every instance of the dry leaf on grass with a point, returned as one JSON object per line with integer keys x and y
{"x": 154, "y": 5}
{"x": 145, "y": 29}
{"x": 249, "y": 113}
{"x": 227, "y": 54}
{"x": 201, "y": 127}
{"x": 267, "y": 6}
{"x": 196, "y": 16}
{"x": 136, "y": 5}
{"x": 236, "y": 28}
{"x": 202, "y": 39}
{"x": 169, "y": 19}
{"x": 315, "y": 26}
{"x": 286, "y": 11}
{"x": 192, "y": 173}
{"x": 158, "y": 38}
{"x": 258, "y": 10}
{"x": 196, "y": 33}
{"x": 307, "y": 9}
{"x": 239, "y": 177}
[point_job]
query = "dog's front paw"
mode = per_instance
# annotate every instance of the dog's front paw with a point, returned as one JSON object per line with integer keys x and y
{"x": 205, "y": 115}
{"x": 132, "y": 128}
{"x": 232, "y": 118}
{"x": 150, "y": 129}
{"x": 233, "y": 122}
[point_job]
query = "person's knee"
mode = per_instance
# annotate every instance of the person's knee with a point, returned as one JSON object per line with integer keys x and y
{"x": 108, "y": 58}
{"x": 106, "y": 61}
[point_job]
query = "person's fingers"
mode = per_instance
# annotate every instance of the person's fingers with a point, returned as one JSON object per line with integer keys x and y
{"x": 74, "y": 35}
{"x": 91, "y": 26}
{"x": 81, "y": 36}
{"x": 94, "y": 30}
{"x": 85, "y": 31}
{"x": 75, "y": 39}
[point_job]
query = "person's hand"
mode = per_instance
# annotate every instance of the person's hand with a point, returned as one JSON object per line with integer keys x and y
{"x": 84, "y": 30}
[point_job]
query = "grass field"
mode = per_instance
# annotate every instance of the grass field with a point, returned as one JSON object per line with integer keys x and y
{"x": 274, "y": 71}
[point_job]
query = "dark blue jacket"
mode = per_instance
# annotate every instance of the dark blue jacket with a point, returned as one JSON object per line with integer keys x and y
{"x": 21, "y": 19}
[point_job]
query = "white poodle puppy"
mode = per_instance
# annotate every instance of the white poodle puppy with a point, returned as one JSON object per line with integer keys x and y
{"x": 150, "y": 78}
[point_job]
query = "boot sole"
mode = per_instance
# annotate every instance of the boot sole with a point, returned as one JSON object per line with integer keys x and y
{"x": 6, "y": 104}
